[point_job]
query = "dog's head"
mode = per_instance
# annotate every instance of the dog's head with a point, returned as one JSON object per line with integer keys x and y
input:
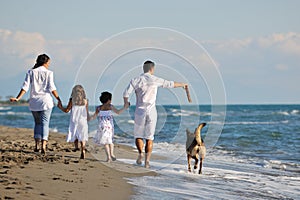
{"x": 189, "y": 137}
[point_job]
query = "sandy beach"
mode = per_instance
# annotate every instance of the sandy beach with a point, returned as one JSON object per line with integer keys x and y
{"x": 60, "y": 174}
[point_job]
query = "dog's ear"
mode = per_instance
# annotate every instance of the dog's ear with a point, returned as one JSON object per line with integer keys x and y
{"x": 188, "y": 131}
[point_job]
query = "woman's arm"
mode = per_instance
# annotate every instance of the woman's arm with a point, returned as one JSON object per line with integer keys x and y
{"x": 24, "y": 88}
{"x": 68, "y": 108}
{"x": 21, "y": 93}
{"x": 55, "y": 94}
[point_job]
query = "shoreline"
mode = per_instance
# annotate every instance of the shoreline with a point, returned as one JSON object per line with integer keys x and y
{"x": 60, "y": 174}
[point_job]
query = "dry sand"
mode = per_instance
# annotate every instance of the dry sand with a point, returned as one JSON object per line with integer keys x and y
{"x": 60, "y": 174}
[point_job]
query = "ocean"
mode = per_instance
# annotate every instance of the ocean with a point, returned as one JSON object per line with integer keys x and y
{"x": 254, "y": 152}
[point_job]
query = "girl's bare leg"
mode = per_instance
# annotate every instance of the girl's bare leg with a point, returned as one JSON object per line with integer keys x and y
{"x": 76, "y": 145}
{"x": 82, "y": 144}
{"x": 107, "y": 151}
{"x": 111, "y": 148}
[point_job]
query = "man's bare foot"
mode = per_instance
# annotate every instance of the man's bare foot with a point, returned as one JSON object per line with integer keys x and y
{"x": 147, "y": 164}
{"x": 139, "y": 159}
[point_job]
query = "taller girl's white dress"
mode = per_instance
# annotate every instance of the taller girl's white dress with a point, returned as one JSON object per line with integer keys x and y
{"x": 105, "y": 130}
{"x": 78, "y": 128}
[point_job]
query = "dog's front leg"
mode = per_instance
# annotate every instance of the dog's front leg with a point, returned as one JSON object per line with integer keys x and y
{"x": 189, "y": 162}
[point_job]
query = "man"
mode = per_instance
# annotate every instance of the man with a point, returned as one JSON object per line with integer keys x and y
{"x": 145, "y": 117}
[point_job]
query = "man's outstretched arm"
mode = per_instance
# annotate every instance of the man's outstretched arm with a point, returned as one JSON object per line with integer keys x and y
{"x": 178, "y": 84}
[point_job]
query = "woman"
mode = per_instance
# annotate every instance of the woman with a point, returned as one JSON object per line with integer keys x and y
{"x": 41, "y": 84}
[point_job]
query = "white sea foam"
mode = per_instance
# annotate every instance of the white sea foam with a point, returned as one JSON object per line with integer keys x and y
{"x": 250, "y": 123}
{"x": 130, "y": 121}
{"x": 54, "y": 129}
{"x": 287, "y": 113}
{"x": 284, "y": 113}
{"x": 4, "y": 108}
{"x": 185, "y": 113}
{"x": 15, "y": 113}
{"x": 295, "y": 112}
{"x": 177, "y": 113}
{"x": 223, "y": 178}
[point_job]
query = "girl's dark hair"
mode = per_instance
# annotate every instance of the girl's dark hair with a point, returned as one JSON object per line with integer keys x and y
{"x": 41, "y": 60}
{"x": 105, "y": 97}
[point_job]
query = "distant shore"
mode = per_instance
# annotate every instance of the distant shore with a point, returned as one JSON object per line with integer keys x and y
{"x": 28, "y": 175}
{"x": 14, "y": 104}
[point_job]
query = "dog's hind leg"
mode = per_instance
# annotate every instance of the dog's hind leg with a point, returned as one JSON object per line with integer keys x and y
{"x": 200, "y": 168}
{"x": 196, "y": 162}
{"x": 189, "y": 162}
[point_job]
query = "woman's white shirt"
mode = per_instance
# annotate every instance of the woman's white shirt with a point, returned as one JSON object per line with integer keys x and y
{"x": 40, "y": 81}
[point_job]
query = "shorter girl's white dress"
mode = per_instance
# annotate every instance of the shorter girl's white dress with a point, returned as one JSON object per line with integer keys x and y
{"x": 78, "y": 128}
{"x": 105, "y": 131}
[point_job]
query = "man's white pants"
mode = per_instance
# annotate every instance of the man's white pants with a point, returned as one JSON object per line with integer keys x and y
{"x": 145, "y": 123}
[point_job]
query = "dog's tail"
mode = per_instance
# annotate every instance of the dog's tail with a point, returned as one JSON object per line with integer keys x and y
{"x": 198, "y": 133}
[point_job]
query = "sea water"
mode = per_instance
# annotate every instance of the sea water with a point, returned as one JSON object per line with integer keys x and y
{"x": 256, "y": 156}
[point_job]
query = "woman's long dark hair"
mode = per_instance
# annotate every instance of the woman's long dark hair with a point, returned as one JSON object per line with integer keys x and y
{"x": 41, "y": 60}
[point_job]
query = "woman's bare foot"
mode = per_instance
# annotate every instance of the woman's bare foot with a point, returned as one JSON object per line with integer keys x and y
{"x": 43, "y": 152}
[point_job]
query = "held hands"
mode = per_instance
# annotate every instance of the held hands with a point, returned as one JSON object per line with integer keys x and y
{"x": 59, "y": 105}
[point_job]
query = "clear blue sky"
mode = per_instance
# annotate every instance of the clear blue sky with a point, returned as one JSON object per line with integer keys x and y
{"x": 256, "y": 44}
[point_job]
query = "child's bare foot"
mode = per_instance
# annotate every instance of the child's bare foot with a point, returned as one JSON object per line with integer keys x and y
{"x": 108, "y": 160}
{"x": 82, "y": 156}
{"x": 75, "y": 149}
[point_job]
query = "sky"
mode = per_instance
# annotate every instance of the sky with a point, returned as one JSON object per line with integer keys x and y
{"x": 229, "y": 52}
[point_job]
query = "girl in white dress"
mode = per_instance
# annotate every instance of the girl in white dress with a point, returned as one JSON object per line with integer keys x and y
{"x": 78, "y": 127}
{"x": 105, "y": 130}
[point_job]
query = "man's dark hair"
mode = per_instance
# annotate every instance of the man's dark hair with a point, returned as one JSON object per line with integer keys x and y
{"x": 148, "y": 65}
{"x": 105, "y": 97}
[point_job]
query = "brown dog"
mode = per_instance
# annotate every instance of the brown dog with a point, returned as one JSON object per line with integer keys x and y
{"x": 195, "y": 147}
